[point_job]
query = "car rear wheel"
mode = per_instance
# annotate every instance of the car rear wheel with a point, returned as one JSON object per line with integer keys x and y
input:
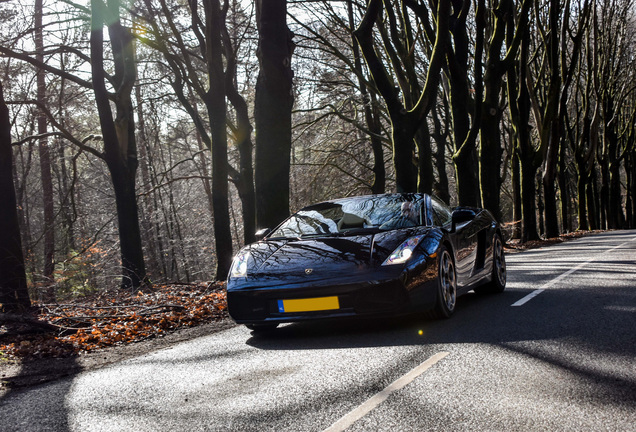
{"x": 499, "y": 275}
{"x": 447, "y": 286}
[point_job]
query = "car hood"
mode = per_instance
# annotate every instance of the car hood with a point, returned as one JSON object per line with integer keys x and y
{"x": 324, "y": 256}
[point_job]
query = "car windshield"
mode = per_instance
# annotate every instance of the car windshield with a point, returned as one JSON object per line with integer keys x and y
{"x": 354, "y": 216}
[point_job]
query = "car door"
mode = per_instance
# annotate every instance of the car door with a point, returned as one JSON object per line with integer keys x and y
{"x": 464, "y": 240}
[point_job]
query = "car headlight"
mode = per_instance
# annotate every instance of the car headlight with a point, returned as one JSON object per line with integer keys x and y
{"x": 239, "y": 265}
{"x": 404, "y": 251}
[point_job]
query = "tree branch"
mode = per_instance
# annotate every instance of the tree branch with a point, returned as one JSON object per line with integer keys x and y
{"x": 41, "y": 65}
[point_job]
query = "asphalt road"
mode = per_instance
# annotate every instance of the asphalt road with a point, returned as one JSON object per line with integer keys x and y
{"x": 559, "y": 359}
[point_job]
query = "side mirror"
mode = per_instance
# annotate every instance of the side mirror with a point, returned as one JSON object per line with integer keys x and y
{"x": 461, "y": 215}
{"x": 262, "y": 233}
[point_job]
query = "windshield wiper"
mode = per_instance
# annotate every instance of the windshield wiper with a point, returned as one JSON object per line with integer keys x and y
{"x": 346, "y": 233}
{"x": 361, "y": 231}
{"x": 278, "y": 238}
{"x": 317, "y": 235}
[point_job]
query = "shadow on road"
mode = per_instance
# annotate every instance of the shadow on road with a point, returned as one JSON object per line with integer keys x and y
{"x": 592, "y": 312}
{"x": 478, "y": 319}
{"x": 577, "y": 326}
{"x": 22, "y": 385}
{"x": 574, "y": 328}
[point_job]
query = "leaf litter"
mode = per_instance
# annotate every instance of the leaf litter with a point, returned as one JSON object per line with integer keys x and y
{"x": 115, "y": 318}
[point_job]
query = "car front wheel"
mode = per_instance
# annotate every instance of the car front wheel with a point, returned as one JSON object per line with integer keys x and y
{"x": 446, "y": 286}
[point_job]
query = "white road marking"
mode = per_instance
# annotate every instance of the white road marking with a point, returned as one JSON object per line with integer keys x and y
{"x": 619, "y": 308}
{"x": 377, "y": 399}
{"x": 548, "y": 284}
{"x": 527, "y": 298}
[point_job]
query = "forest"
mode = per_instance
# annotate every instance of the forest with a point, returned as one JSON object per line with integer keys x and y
{"x": 146, "y": 141}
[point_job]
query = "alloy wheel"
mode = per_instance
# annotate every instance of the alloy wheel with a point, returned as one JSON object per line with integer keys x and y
{"x": 448, "y": 281}
{"x": 499, "y": 261}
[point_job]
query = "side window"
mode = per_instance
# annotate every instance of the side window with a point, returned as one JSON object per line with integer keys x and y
{"x": 441, "y": 212}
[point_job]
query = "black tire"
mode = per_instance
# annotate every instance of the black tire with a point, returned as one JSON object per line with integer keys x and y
{"x": 262, "y": 328}
{"x": 498, "y": 277}
{"x": 446, "y": 286}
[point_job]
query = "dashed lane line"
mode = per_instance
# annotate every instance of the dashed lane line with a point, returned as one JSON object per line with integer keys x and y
{"x": 378, "y": 398}
{"x": 548, "y": 284}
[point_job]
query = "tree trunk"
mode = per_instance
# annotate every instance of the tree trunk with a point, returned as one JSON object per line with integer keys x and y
{"x": 604, "y": 196}
{"x": 465, "y": 157}
{"x": 120, "y": 150}
{"x": 45, "y": 166}
{"x": 371, "y": 116}
{"x": 540, "y": 205}
{"x": 215, "y": 44}
{"x": 584, "y": 153}
{"x": 244, "y": 178}
{"x": 549, "y": 171}
{"x": 441, "y": 186}
{"x": 467, "y": 176}
{"x": 489, "y": 133}
{"x": 593, "y": 212}
{"x": 147, "y": 220}
{"x": 516, "y": 195}
{"x": 14, "y": 295}
{"x": 550, "y": 131}
{"x": 519, "y": 105}
{"x": 490, "y": 155}
{"x": 528, "y": 206}
{"x": 616, "y": 215}
{"x": 134, "y": 271}
{"x": 563, "y": 187}
{"x": 65, "y": 183}
{"x": 403, "y": 154}
{"x": 272, "y": 113}
{"x": 630, "y": 170}
{"x": 217, "y": 114}
{"x": 425, "y": 160}
{"x": 22, "y": 201}
{"x": 491, "y": 112}
{"x": 581, "y": 185}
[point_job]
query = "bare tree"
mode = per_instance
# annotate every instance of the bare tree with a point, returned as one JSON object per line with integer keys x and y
{"x": 496, "y": 67}
{"x": 45, "y": 162}
{"x": 272, "y": 113}
{"x": 118, "y": 132}
{"x": 466, "y": 110}
{"x": 339, "y": 123}
{"x": 406, "y": 120}
{"x": 207, "y": 48}
{"x": 14, "y": 295}
{"x": 120, "y": 147}
{"x": 529, "y": 156}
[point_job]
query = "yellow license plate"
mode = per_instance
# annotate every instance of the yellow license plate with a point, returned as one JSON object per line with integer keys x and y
{"x": 308, "y": 304}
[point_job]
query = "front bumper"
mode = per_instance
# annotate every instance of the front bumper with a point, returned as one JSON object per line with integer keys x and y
{"x": 386, "y": 295}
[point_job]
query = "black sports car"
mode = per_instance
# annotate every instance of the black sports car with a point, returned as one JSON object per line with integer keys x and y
{"x": 366, "y": 256}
